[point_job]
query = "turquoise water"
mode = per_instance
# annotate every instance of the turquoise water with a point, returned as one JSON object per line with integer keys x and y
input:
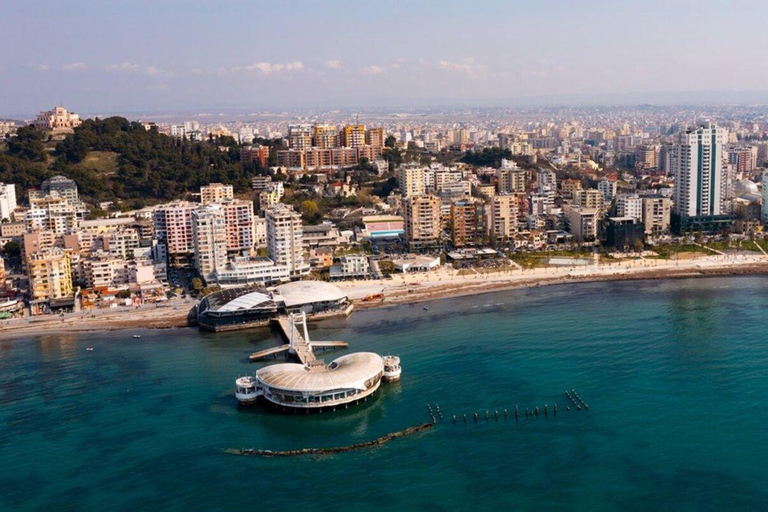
{"x": 674, "y": 373}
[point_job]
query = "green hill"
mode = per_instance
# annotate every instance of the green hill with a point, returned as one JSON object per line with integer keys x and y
{"x": 114, "y": 158}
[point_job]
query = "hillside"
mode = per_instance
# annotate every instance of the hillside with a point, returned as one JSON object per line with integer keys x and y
{"x": 114, "y": 158}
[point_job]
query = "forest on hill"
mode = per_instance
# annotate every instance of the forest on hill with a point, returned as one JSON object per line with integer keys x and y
{"x": 114, "y": 158}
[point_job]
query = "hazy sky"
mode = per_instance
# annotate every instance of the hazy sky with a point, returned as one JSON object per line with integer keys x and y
{"x": 112, "y": 56}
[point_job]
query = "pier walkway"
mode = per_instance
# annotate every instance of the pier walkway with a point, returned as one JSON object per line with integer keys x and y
{"x": 298, "y": 341}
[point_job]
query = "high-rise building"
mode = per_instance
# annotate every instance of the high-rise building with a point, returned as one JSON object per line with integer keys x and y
{"x": 173, "y": 227}
{"x": 50, "y": 274}
{"x": 698, "y": 170}
{"x": 510, "y": 180}
{"x": 546, "y": 181}
{"x": 209, "y": 231}
{"x": 65, "y": 187}
{"x": 590, "y": 198}
{"x": 7, "y": 200}
{"x": 464, "y": 223}
{"x": 582, "y": 222}
{"x": 216, "y": 193}
{"x": 255, "y": 154}
{"x": 239, "y": 220}
{"x": 608, "y": 189}
{"x": 422, "y": 220}
{"x": 569, "y": 186}
{"x": 325, "y": 136}
{"x": 656, "y": 214}
{"x": 353, "y": 135}
{"x": 284, "y": 232}
{"x": 375, "y": 137}
{"x": 411, "y": 179}
{"x": 300, "y": 136}
{"x": 503, "y": 216}
{"x": 646, "y": 157}
{"x": 629, "y": 206}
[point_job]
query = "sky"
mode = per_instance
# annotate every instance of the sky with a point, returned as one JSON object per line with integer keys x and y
{"x": 168, "y": 55}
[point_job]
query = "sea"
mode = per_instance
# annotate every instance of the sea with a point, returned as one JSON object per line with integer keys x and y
{"x": 675, "y": 374}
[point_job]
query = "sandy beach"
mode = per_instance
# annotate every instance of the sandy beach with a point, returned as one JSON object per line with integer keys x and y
{"x": 412, "y": 288}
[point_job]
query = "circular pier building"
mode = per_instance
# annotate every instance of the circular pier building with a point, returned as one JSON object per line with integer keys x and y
{"x": 316, "y": 385}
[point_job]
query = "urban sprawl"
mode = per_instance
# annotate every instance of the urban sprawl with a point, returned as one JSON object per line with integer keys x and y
{"x": 338, "y": 201}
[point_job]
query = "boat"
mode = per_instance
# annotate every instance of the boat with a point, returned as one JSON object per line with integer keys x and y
{"x": 392, "y": 369}
{"x": 137, "y": 336}
{"x": 89, "y": 349}
{"x": 426, "y": 308}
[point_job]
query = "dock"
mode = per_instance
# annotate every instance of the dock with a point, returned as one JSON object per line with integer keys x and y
{"x": 298, "y": 341}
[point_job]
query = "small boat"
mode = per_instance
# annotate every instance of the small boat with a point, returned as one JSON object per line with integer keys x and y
{"x": 426, "y": 308}
{"x": 89, "y": 349}
{"x": 137, "y": 336}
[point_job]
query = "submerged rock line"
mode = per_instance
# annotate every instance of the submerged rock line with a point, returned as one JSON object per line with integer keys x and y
{"x": 328, "y": 451}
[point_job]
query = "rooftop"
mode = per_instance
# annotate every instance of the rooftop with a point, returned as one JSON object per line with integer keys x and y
{"x": 349, "y": 371}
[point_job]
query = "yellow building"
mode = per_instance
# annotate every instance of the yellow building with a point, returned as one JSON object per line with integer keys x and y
{"x": 353, "y": 135}
{"x": 216, "y": 193}
{"x": 50, "y": 275}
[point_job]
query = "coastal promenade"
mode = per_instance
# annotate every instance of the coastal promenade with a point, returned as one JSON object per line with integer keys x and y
{"x": 444, "y": 282}
{"x": 409, "y": 288}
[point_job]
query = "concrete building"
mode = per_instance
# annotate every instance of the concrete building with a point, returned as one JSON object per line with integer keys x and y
{"x": 582, "y": 222}
{"x": 173, "y": 227}
{"x": 647, "y": 157}
{"x": 353, "y": 136}
{"x": 209, "y": 232}
{"x": 271, "y": 195}
{"x": 422, "y": 220}
{"x": 629, "y": 205}
{"x": 411, "y": 180}
{"x": 50, "y": 275}
{"x": 608, "y": 188}
{"x": 464, "y": 223}
{"x": 570, "y": 186}
{"x": 62, "y": 186}
{"x": 510, "y": 180}
{"x": 7, "y": 200}
{"x": 698, "y": 169}
{"x": 240, "y": 228}
{"x": 57, "y": 120}
{"x": 351, "y": 266}
{"x": 284, "y": 234}
{"x": 216, "y": 193}
{"x": 590, "y": 198}
{"x": 656, "y": 215}
{"x": 53, "y": 212}
{"x": 325, "y": 136}
{"x": 251, "y": 270}
{"x": 375, "y": 137}
{"x": 300, "y": 136}
{"x": 256, "y": 154}
{"x": 503, "y": 215}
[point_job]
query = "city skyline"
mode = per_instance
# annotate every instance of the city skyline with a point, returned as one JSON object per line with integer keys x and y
{"x": 99, "y": 57}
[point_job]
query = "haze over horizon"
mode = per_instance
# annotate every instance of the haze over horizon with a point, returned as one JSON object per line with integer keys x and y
{"x": 172, "y": 55}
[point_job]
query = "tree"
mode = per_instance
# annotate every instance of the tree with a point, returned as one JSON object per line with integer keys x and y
{"x": 197, "y": 284}
{"x": 390, "y": 141}
{"x": 27, "y": 145}
{"x": 310, "y": 212}
{"x": 12, "y": 250}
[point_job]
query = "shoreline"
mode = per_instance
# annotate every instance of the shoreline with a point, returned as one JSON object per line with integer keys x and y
{"x": 418, "y": 288}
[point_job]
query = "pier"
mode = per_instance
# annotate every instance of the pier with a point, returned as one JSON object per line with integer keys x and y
{"x": 544, "y": 411}
{"x": 298, "y": 340}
